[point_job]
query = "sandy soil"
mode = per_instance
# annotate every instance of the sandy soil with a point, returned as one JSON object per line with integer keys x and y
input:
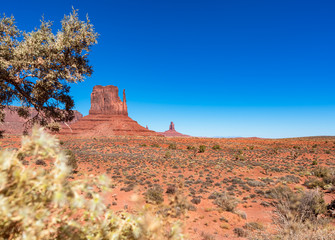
{"x": 243, "y": 168}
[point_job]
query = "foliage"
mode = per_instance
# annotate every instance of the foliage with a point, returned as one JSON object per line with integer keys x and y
{"x": 226, "y": 202}
{"x": 36, "y": 67}
{"x": 40, "y": 204}
{"x": 190, "y": 147}
{"x": 71, "y": 159}
{"x": 172, "y": 146}
{"x": 297, "y": 208}
{"x": 154, "y": 195}
{"x": 296, "y": 216}
{"x": 202, "y": 148}
{"x": 216, "y": 147}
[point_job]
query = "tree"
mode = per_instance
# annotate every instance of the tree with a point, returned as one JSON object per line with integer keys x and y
{"x": 36, "y": 67}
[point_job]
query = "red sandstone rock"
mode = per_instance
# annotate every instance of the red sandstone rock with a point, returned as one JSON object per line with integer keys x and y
{"x": 106, "y": 101}
{"x": 172, "y": 132}
{"x": 14, "y": 124}
{"x": 108, "y": 116}
{"x": 172, "y": 127}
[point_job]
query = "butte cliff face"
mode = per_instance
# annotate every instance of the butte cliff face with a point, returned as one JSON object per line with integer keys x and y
{"x": 108, "y": 116}
{"x": 106, "y": 101}
{"x": 172, "y": 132}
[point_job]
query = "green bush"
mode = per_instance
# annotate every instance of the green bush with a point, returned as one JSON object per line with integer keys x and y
{"x": 216, "y": 147}
{"x": 190, "y": 147}
{"x": 172, "y": 146}
{"x": 202, "y": 148}
{"x": 167, "y": 155}
{"x": 40, "y": 204}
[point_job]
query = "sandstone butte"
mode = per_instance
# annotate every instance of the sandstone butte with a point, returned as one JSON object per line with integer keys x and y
{"x": 14, "y": 124}
{"x": 108, "y": 116}
{"x": 172, "y": 132}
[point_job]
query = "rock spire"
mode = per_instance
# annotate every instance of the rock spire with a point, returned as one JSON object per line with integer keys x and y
{"x": 172, "y": 132}
{"x": 172, "y": 127}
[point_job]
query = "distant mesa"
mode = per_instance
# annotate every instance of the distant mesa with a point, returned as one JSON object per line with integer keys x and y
{"x": 14, "y": 124}
{"x": 172, "y": 132}
{"x": 108, "y": 116}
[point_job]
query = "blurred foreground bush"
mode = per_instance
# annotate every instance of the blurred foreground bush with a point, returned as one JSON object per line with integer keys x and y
{"x": 36, "y": 203}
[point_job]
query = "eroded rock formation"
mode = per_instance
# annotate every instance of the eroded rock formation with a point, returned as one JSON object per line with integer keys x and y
{"x": 172, "y": 132}
{"x": 172, "y": 127}
{"x": 106, "y": 101}
{"x": 108, "y": 116}
{"x": 14, "y": 124}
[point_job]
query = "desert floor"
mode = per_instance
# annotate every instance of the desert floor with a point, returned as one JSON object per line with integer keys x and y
{"x": 245, "y": 169}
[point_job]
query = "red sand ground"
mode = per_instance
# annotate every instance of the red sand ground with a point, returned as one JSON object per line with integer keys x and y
{"x": 245, "y": 168}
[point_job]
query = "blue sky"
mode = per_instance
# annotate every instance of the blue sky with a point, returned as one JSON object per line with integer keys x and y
{"x": 214, "y": 68}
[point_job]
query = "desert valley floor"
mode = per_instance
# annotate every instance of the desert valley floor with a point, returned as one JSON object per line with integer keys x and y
{"x": 246, "y": 170}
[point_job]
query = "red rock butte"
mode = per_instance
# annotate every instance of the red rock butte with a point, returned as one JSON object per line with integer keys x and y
{"x": 108, "y": 116}
{"x": 172, "y": 132}
{"x": 14, "y": 124}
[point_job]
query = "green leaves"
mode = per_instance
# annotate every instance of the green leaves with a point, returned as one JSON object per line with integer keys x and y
{"x": 36, "y": 67}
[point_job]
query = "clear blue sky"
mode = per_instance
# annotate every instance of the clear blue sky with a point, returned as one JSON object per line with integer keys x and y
{"x": 214, "y": 68}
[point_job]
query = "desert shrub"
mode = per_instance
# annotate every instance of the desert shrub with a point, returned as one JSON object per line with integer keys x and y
{"x": 253, "y": 226}
{"x": 240, "y": 232}
{"x": 296, "y": 216}
{"x": 293, "y": 209}
{"x": 314, "y": 183}
{"x": 302, "y": 232}
{"x": 40, "y": 162}
{"x": 255, "y": 183}
{"x": 172, "y": 146}
{"x": 154, "y": 195}
{"x": 327, "y": 176}
{"x": 196, "y": 200}
{"x": 179, "y": 204}
{"x": 167, "y": 155}
{"x": 190, "y": 147}
{"x": 39, "y": 204}
{"x": 155, "y": 145}
{"x": 241, "y": 214}
{"x": 239, "y": 157}
{"x": 202, "y": 148}
{"x": 226, "y": 202}
{"x": 290, "y": 179}
{"x": 71, "y": 159}
{"x": 216, "y": 147}
{"x": 171, "y": 189}
{"x": 321, "y": 171}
